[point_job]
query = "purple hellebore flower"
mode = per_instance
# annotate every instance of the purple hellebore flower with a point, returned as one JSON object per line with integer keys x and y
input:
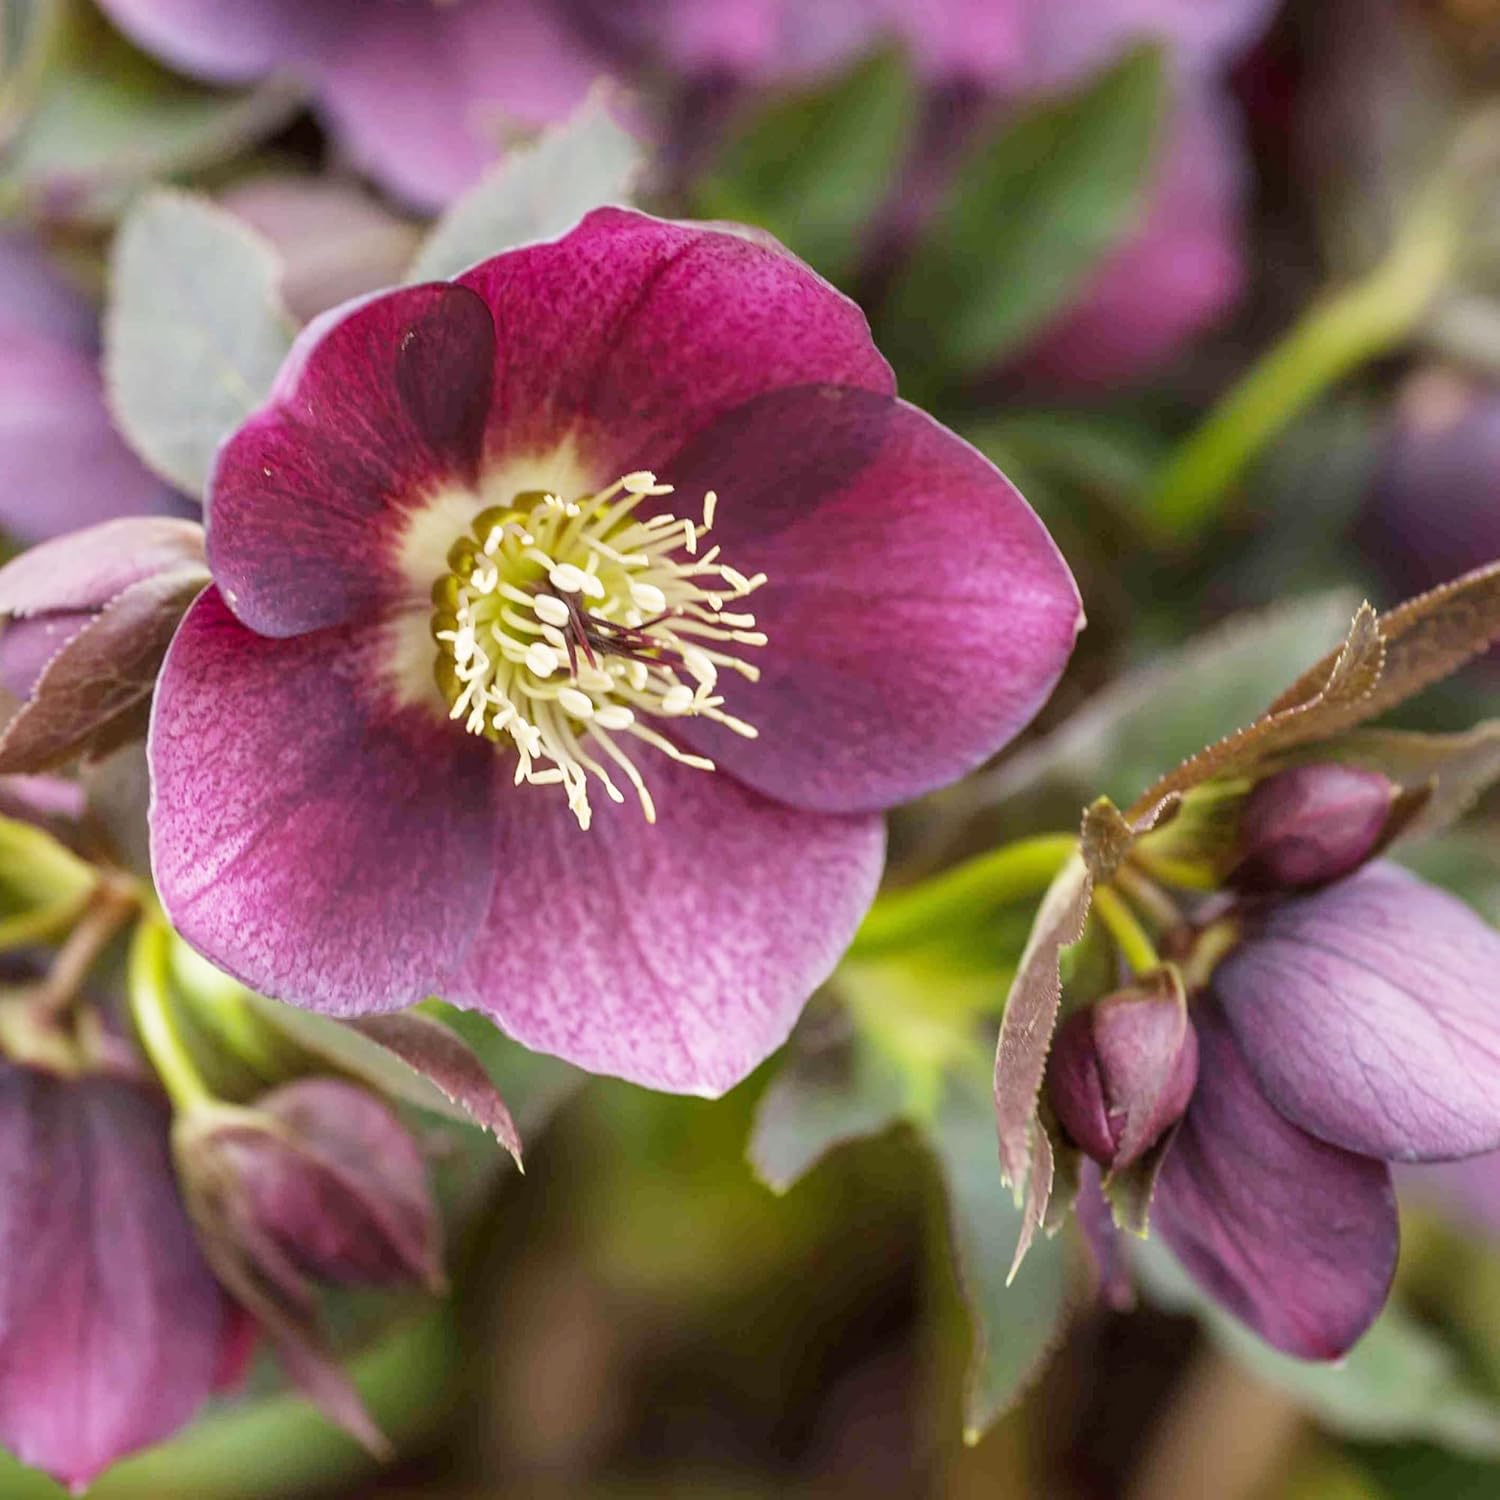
{"x": 1351, "y": 1028}
{"x": 421, "y": 93}
{"x": 335, "y": 241}
{"x": 1435, "y": 508}
{"x": 455, "y": 473}
{"x": 62, "y": 463}
{"x": 112, "y": 1327}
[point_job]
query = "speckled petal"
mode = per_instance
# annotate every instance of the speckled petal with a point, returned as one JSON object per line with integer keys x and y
{"x": 677, "y": 956}
{"x": 312, "y": 838}
{"x": 629, "y": 335}
{"x": 918, "y": 613}
{"x": 379, "y": 406}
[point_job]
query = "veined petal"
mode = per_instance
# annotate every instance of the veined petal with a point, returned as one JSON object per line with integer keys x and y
{"x": 630, "y": 334}
{"x": 309, "y": 835}
{"x": 1295, "y": 1237}
{"x": 380, "y": 405}
{"x": 917, "y": 612}
{"x": 677, "y": 956}
{"x": 1367, "y": 1012}
{"x": 110, "y": 1322}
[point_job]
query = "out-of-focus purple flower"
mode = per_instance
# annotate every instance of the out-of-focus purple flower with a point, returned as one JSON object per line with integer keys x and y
{"x": 62, "y": 463}
{"x": 318, "y": 1179}
{"x": 1176, "y": 275}
{"x": 1434, "y": 510}
{"x": 1467, "y": 1191}
{"x": 1350, "y": 1028}
{"x": 630, "y": 821}
{"x": 51, "y": 592}
{"x": 111, "y": 1324}
{"x": 335, "y": 242}
{"x": 420, "y": 93}
{"x": 1310, "y": 825}
{"x": 1121, "y": 1073}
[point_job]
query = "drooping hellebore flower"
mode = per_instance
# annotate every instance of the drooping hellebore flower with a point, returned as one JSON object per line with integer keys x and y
{"x": 420, "y": 93}
{"x": 112, "y": 1327}
{"x": 574, "y": 624}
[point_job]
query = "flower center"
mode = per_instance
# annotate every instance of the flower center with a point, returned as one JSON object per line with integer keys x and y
{"x": 565, "y": 626}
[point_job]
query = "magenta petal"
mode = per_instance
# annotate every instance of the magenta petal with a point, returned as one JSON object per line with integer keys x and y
{"x": 677, "y": 956}
{"x": 1295, "y": 1237}
{"x": 109, "y": 1319}
{"x": 630, "y": 334}
{"x": 378, "y": 406}
{"x": 423, "y": 96}
{"x": 1368, "y": 1014}
{"x": 918, "y": 613}
{"x": 322, "y": 845}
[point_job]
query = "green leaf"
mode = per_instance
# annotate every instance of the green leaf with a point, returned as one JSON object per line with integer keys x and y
{"x": 100, "y": 121}
{"x": 1029, "y": 215}
{"x": 537, "y": 193}
{"x": 814, "y": 169}
{"x": 824, "y": 1096}
{"x": 1399, "y": 1381}
{"x": 1016, "y": 1326}
{"x": 194, "y": 333}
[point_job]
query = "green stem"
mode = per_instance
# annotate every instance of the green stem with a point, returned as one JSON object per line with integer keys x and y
{"x": 151, "y": 1005}
{"x": 1124, "y": 927}
{"x": 970, "y": 890}
{"x": 1337, "y": 335}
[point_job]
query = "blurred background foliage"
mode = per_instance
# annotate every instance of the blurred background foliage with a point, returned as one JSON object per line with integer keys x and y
{"x": 1282, "y": 403}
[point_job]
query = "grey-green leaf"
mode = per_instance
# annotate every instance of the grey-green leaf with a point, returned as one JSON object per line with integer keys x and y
{"x": 1030, "y": 214}
{"x": 1014, "y": 1327}
{"x": 195, "y": 331}
{"x": 537, "y": 193}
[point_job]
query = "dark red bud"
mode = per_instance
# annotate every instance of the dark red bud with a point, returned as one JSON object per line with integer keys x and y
{"x": 319, "y": 1180}
{"x": 1122, "y": 1072}
{"x": 1311, "y": 825}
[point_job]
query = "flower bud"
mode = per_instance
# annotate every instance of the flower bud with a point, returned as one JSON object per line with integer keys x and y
{"x": 319, "y": 1180}
{"x": 1122, "y": 1071}
{"x": 86, "y": 622}
{"x": 1311, "y": 825}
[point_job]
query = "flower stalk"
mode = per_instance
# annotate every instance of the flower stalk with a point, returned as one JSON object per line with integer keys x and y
{"x": 156, "y": 1024}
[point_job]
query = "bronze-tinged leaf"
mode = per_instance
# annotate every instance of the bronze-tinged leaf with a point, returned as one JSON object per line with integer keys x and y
{"x": 92, "y": 696}
{"x": 86, "y": 569}
{"x": 449, "y": 1064}
{"x": 1031, "y": 1015}
{"x": 1426, "y": 639}
{"x": 1351, "y": 681}
{"x": 1038, "y": 1196}
{"x": 1130, "y": 1190}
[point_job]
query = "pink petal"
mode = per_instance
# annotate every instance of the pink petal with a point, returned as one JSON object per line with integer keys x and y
{"x": 379, "y": 405}
{"x": 423, "y": 96}
{"x": 316, "y": 841}
{"x": 918, "y": 613}
{"x": 677, "y": 956}
{"x": 1367, "y": 1012}
{"x": 229, "y": 41}
{"x": 630, "y": 334}
{"x": 1295, "y": 1237}
{"x": 110, "y": 1322}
